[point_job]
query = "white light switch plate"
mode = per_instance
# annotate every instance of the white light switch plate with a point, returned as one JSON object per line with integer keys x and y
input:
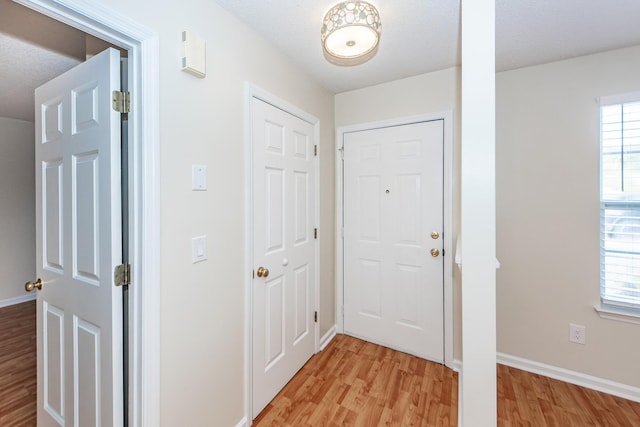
{"x": 198, "y": 249}
{"x": 198, "y": 177}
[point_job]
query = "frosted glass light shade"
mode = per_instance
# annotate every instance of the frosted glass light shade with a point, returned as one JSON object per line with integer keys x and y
{"x": 350, "y": 33}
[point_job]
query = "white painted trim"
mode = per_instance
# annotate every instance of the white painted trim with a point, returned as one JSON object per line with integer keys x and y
{"x": 248, "y": 253}
{"x": 619, "y": 98}
{"x": 447, "y": 117}
{"x": 273, "y": 100}
{"x": 327, "y": 338}
{"x": 243, "y": 422}
{"x": 618, "y": 314}
{"x": 253, "y": 91}
{"x": 339, "y": 238}
{"x": 456, "y": 365}
{"x": 447, "y": 238}
{"x": 460, "y": 394}
{"x": 478, "y": 397}
{"x": 17, "y": 300}
{"x": 144, "y": 123}
{"x": 572, "y": 377}
{"x": 316, "y": 213}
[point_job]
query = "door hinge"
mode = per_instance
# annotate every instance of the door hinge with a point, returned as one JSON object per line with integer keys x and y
{"x": 315, "y": 150}
{"x": 341, "y": 150}
{"x": 122, "y": 275}
{"x": 121, "y": 101}
{"x": 315, "y": 316}
{"x": 315, "y": 233}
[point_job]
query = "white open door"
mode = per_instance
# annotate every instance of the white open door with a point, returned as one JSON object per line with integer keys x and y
{"x": 393, "y": 227}
{"x": 284, "y": 249}
{"x": 78, "y": 233}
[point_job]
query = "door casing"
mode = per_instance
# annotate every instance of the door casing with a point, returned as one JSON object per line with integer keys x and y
{"x": 252, "y": 91}
{"x": 448, "y": 238}
{"x": 144, "y": 189}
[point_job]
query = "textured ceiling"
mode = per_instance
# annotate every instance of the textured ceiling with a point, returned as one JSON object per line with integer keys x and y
{"x": 531, "y": 32}
{"x": 420, "y": 36}
{"x": 33, "y": 50}
{"x": 24, "y": 67}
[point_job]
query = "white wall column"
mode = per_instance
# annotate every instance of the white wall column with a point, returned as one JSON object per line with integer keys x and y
{"x": 478, "y": 230}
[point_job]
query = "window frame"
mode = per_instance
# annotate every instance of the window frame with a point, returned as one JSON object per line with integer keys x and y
{"x": 611, "y": 308}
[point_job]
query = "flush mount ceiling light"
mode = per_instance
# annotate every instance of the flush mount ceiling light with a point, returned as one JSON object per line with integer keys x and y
{"x": 350, "y": 33}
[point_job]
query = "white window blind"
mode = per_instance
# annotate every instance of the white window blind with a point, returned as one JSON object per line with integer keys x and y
{"x": 620, "y": 202}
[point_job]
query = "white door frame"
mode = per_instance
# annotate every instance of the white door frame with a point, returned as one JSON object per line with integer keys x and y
{"x": 252, "y": 91}
{"x": 447, "y": 117}
{"x": 144, "y": 151}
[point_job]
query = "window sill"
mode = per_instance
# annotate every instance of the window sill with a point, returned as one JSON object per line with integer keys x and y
{"x": 618, "y": 314}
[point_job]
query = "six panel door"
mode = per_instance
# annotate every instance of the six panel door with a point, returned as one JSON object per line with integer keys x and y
{"x": 78, "y": 242}
{"x": 393, "y": 202}
{"x": 283, "y": 240}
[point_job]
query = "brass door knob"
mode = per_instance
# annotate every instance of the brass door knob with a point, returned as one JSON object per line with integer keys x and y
{"x": 29, "y": 286}
{"x": 435, "y": 235}
{"x": 262, "y": 272}
{"x": 435, "y": 252}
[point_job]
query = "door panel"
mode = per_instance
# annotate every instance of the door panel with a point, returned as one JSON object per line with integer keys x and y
{"x": 393, "y": 200}
{"x": 274, "y": 322}
{"x": 84, "y": 187}
{"x": 274, "y": 208}
{"x": 283, "y": 208}
{"x": 301, "y": 207}
{"x": 301, "y": 304}
{"x": 52, "y": 219}
{"x": 86, "y": 372}
{"x": 78, "y": 240}
{"x": 53, "y": 363}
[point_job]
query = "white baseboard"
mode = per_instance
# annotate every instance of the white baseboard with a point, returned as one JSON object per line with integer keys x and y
{"x": 17, "y": 300}
{"x": 572, "y": 377}
{"x": 326, "y": 338}
{"x": 243, "y": 423}
{"x": 455, "y": 365}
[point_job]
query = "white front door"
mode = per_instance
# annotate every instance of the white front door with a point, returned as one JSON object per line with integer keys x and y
{"x": 393, "y": 202}
{"x": 78, "y": 240}
{"x": 283, "y": 249}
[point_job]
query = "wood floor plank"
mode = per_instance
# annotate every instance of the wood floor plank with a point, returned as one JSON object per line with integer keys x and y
{"x": 350, "y": 383}
{"x": 18, "y": 365}
{"x": 356, "y": 383}
{"x": 371, "y": 385}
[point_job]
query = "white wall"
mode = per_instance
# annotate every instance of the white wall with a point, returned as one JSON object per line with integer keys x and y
{"x": 426, "y": 93}
{"x": 17, "y": 207}
{"x": 548, "y": 215}
{"x": 202, "y": 326}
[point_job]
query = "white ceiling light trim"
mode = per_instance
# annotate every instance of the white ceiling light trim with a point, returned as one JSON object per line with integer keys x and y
{"x": 350, "y": 33}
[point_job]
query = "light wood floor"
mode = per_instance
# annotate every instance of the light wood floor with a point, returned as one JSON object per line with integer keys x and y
{"x": 18, "y": 365}
{"x": 355, "y": 383}
{"x": 350, "y": 383}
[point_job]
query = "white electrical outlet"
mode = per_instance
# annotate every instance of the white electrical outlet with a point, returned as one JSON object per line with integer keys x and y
{"x": 198, "y": 177}
{"x": 577, "y": 333}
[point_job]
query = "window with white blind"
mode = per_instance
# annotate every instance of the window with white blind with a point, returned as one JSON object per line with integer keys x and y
{"x": 620, "y": 202}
